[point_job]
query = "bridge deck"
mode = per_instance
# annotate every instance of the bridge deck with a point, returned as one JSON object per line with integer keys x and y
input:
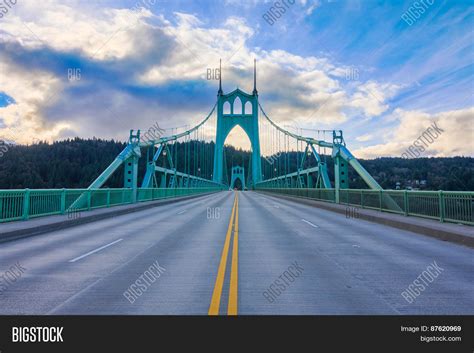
{"x": 457, "y": 233}
{"x": 348, "y": 266}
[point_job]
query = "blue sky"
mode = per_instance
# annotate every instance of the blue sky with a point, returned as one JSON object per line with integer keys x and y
{"x": 5, "y": 100}
{"x": 350, "y": 65}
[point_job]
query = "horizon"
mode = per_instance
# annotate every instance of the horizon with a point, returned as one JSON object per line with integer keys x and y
{"x": 237, "y": 148}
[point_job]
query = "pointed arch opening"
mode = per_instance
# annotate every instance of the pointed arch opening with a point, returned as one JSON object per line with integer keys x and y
{"x": 237, "y": 152}
{"x": 248, "y": 108}
{"x": 238, "y": 139}
{"x": 238, "y": 184}
{"x": 237, "y": 106}
{"x": 226, "y": 108}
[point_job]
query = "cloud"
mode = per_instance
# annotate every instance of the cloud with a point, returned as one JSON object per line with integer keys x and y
{"x": 313, "y": 7}
{"x": 457, "y": 138}
{"x": 124, "y": 62}
{"x": 364, "y": 138}
{"x": 372, "y": 97}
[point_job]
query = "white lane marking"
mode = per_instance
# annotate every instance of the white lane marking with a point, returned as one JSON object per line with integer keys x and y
{"x": 276, "y": 206}
{"x": 311, "y": 224}
{"x": 96, "y": 250}
{"x": 356, "y": 246}
{"x": 181, "y": 212}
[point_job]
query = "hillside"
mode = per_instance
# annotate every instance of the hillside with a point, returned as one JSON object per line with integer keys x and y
{"x": 76, "y": 163}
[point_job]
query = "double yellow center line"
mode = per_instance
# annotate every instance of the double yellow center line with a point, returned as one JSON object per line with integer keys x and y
{"x": 233, "y": 287}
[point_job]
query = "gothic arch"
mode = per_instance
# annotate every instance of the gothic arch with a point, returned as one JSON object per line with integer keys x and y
{"x": 237, "y": 106}
{"x": 227, "y": 108}
{"x": 248, "y": 108}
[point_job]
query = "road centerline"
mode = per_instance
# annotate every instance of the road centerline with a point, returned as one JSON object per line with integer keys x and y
{"x": 95, "y": 250}
{"x": 234, "y": 274}
{"x": 217, "y": 292}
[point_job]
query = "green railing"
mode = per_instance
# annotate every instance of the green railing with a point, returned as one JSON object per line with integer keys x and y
{"x": 24, "y": 204}
{"x": 445, "y": 206}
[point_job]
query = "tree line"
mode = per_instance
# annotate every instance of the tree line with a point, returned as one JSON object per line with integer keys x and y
{"x": 75, "y": 163}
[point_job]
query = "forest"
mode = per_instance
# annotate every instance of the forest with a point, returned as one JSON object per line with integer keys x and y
{"x": 75, "y": 163}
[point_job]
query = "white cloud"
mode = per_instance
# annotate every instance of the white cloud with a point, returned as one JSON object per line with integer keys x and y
{"x": 30, "y": 89}
{"x": 313, "y": 7}
{"x": 457, "y": 138}
{"x": 364, "y": 138}
{"x": 75, "y": 27}
{"x": 301, "y": 84}
{"x": 371, "y": 97}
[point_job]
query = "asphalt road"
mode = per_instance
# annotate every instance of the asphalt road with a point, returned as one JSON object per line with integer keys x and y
{"x": 228, "y": 254}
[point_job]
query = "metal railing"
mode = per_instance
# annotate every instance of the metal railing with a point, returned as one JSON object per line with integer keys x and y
{"x": 445, "y": 206}
{"x": 25, "y": 204}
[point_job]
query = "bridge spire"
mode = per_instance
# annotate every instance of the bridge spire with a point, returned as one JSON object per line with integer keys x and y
{"x": 219, "y": 93}
{"x": 255, "y": 92}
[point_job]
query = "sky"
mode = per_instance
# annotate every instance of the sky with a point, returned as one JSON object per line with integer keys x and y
{"x": 100, "y": 68}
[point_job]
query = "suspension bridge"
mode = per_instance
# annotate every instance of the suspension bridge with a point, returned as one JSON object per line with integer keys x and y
{"x": 294, "y": 239}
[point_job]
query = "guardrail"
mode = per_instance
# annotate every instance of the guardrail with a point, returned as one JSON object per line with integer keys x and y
{"x": 445, "y": 206}
{"x": 25, "y": 204}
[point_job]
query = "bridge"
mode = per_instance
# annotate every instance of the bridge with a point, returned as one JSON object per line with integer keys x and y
{"x": 181, "y": 239}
